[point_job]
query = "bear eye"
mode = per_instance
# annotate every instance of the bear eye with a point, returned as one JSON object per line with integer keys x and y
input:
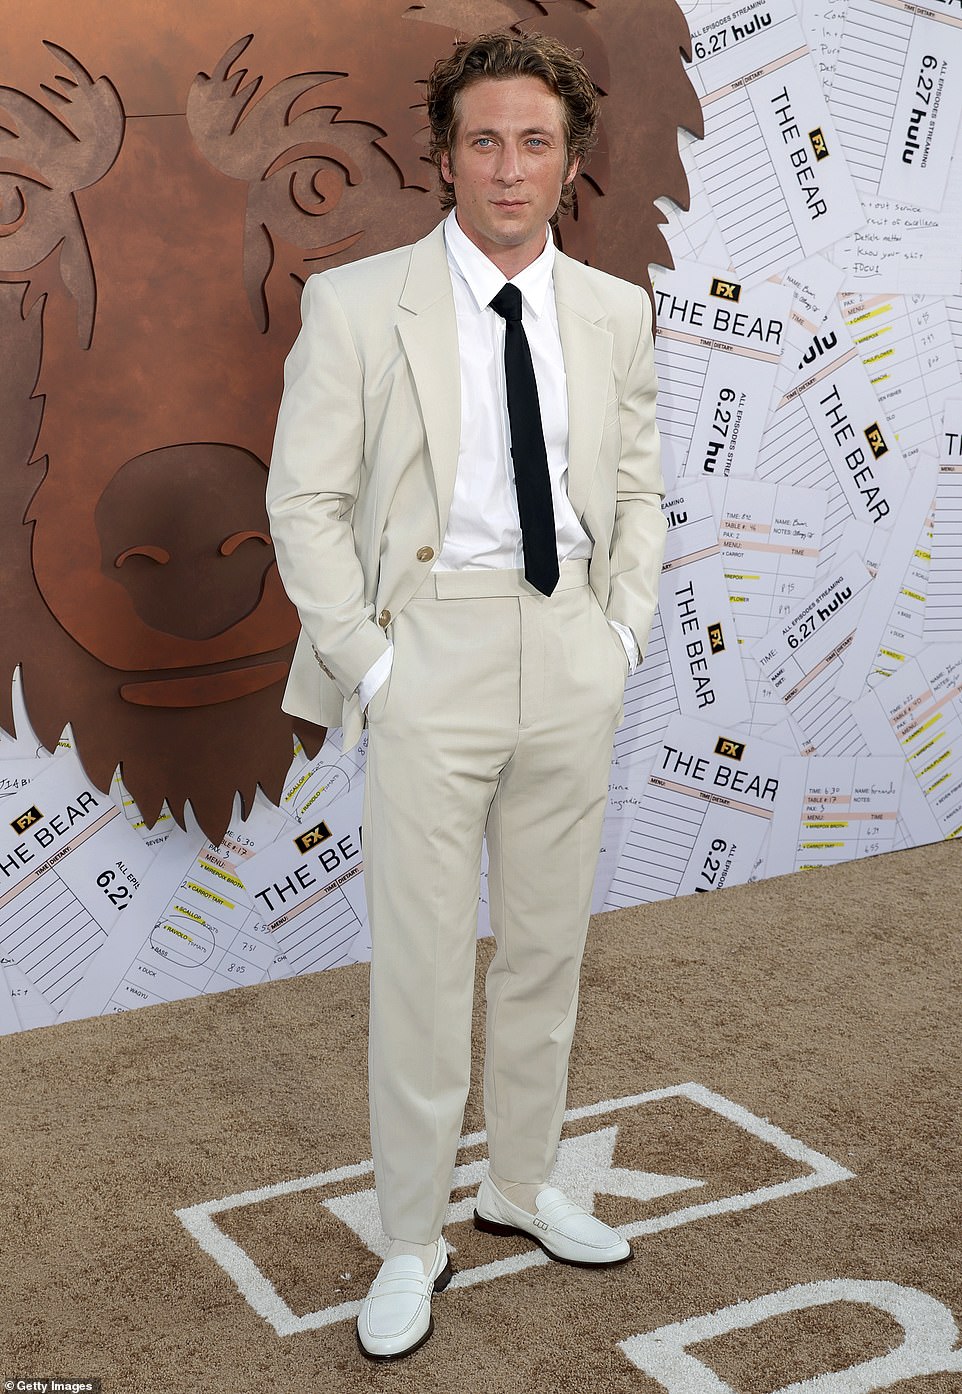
{"x": 157, "y": 554}
{"x": 231, "y": 544}
{"x": 298, "y": 158}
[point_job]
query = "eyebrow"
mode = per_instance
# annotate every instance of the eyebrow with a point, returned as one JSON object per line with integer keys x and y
{"x": 491, "y": 131}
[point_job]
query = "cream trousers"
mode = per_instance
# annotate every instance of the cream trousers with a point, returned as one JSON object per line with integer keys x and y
{"x": 496, "y": 721}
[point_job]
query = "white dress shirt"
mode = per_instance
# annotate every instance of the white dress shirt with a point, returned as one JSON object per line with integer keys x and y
{"x": 483, "y": 529}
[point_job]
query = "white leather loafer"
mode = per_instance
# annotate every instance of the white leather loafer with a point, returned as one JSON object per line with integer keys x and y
{"x": 564, "y": 1230}
{"x": 395, "y": 1317}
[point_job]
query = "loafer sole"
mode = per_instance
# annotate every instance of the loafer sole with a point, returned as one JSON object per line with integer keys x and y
{"x": 440, "y": 1283}
{"x": 496, "y": 1227}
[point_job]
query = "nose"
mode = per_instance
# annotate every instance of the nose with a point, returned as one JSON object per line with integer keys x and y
{"x": 510, "y": 170}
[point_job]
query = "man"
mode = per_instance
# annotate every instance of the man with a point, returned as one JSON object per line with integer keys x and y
{"x": 475, "y": 564}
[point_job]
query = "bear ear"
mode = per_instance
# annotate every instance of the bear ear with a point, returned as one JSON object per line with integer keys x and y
{"x": 216, "y": 105}
{"x": 319, "y": 183}
{"x": 245, "y": 138}
{"x": 48, "y": 153}
{"x": 70, "y": 143}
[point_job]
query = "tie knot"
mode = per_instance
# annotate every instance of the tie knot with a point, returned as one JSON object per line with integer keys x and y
{"x": 507, "y": 302}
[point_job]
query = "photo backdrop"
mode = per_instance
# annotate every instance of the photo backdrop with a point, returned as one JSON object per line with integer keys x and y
{"x": 165, "y": 189}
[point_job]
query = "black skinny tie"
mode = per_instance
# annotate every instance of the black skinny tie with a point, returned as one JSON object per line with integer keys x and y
{"x": 531, "y": 480}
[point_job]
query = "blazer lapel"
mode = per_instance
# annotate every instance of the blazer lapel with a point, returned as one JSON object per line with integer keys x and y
{"x": 587, "y": 348}
{"x": 428, "y": 329}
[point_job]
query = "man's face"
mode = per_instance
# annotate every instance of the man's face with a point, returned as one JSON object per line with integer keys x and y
{"x": 508, "y": 165}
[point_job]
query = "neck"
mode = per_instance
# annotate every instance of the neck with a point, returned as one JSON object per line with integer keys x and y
{"x": 510, "y": 261}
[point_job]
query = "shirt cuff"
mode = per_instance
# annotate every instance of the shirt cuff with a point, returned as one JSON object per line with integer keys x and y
{"x": 375, "y": 677}
{"x": 631, "y": 648}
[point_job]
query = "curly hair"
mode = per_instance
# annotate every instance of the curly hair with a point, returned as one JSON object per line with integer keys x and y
{"x": 505, "y": 55}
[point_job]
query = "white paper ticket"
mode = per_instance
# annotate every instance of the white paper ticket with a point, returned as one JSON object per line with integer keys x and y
{"x": 9, "y": 1020}
{"x": 693, "y": 663}
{"x": 153, "y": 835}
{"x": 626, "y": 787}
{"x": 703, "y": 817}
{"x": 308, "y": 888}
{"x": 197, "y": 930}
{"x": 953, "y": 308}
{"x": 802, "y": 659}
{"x": 692, "y": 233}
{"x": 823, "y": 21}
{"x": 830, "y": 432}
{"x": 903, "y": 249}
{"x": 833, "y": 809}
{"x": 816, "y": 282}
{"x": 24, "y": 1005}
{"x": 717, "y": 350}
{"x": 313, "y": 785}
{"x": 943, "y": 611}
{"x": 613, "y": 834}
{"x": 696, "y": 614}
{"x": 651, "y": 699}
{"x": 771, "y": 536}
{"x": 16, "y": 774}
{"x": 768, "y": 710}
{"x": 917, "y": 712}
{"x": 70, "y": 865}
{"x": 771, "y": 161}
{"x": 905, "y": 344}
{"x": 890, "y": 627}
{"x": 897, "y": 95}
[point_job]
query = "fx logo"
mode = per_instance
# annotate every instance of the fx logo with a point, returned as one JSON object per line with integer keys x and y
{"x": 26, "y": 820}
{"x": 312, "y": 838}
{"x": 585, "y": 1168}
{"x": 716, "y": 638}
{"x": 876, "y": 440}
{"x": 818, "y": 143}
{"x": 731, "y": 750}
{"x": 725, "y": 290}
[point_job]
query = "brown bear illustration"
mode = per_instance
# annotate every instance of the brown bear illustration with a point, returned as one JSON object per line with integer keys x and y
{"x": 156, "y": 226}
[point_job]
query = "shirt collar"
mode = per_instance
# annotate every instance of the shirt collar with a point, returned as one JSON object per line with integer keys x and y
{"x": 483, "y": 278}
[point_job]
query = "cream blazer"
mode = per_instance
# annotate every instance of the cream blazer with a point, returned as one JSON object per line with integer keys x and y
{"x": 366, "y": 451}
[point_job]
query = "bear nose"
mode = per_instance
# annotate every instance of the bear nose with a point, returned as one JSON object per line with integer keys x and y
{"x": 184, "y": 530}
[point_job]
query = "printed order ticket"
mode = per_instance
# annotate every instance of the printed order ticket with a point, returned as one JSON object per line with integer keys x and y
{"x": 771, "y": 161}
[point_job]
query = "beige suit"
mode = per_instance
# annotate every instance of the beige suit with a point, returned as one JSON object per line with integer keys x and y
{"x": 360, "y": 485}
{"x": 366, "y": 454}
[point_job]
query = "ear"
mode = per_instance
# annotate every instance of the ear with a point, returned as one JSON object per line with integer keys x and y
{"x": 573, "y": 169}
{"x": 446, "y": 170}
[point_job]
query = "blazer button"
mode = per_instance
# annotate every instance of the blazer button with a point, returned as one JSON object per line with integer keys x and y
{"x": 384, "y": 618}
{"x": 425, "y": 554}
